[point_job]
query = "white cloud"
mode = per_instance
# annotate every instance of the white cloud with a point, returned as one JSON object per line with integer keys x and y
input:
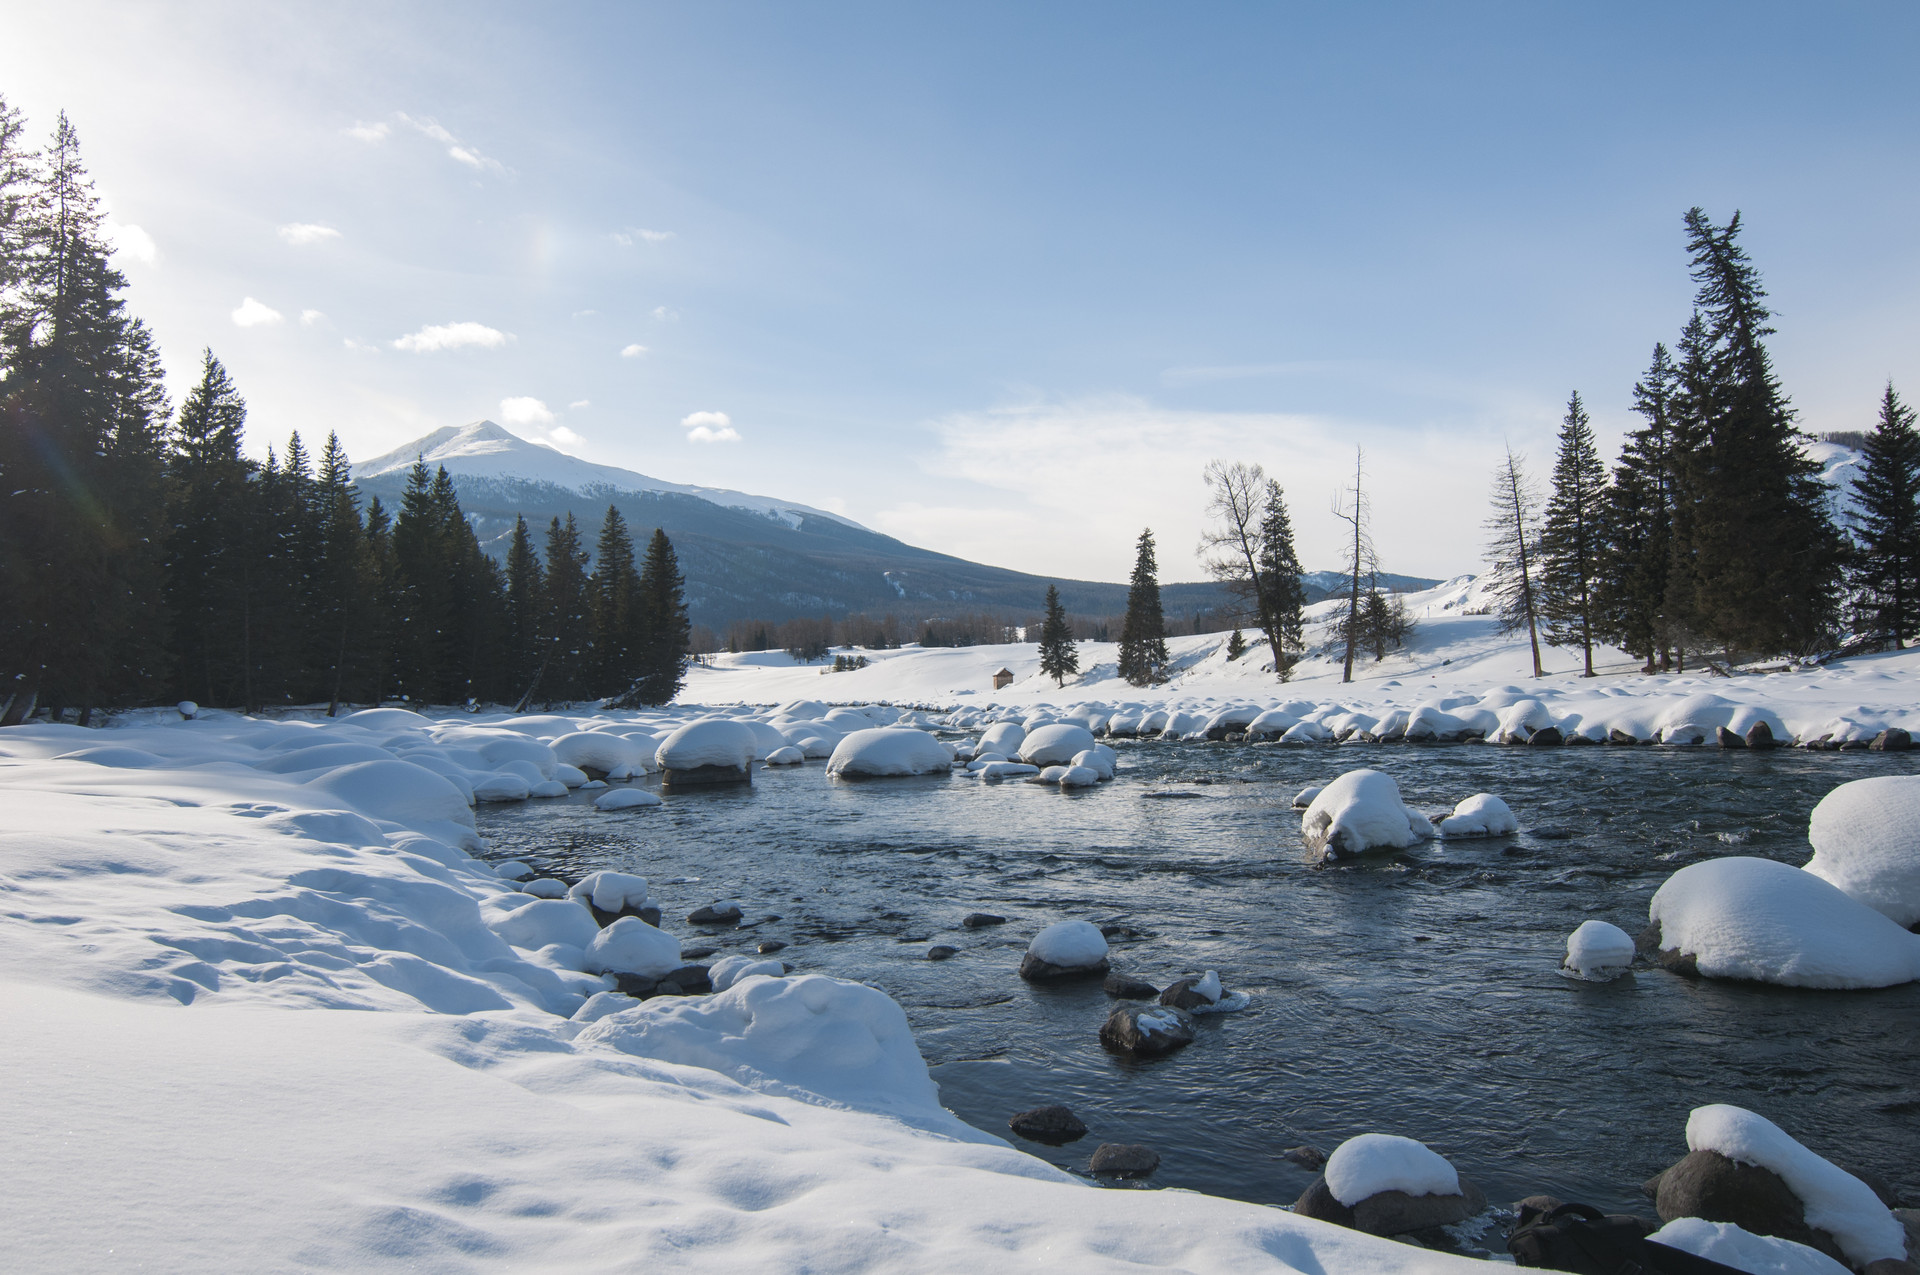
{"x": 665, "y": 315}
{"x": 709, "y": 427}
{"x": 311, "y": 318}
{"x": 457, "y": 150}
{"x": 633, "y": 351}
{"x": 370, "y": 132}
{"x": 132, "y": 243}
{"x": 253, "y": 314}
{"x": 525, "y": 411}
{"x": 360, "y": 347}
{"x": 452, "y": 336}
{"x": 561, "y": 434}
{"x": 301, "y": 234}
{"x": 579, "y": 403}
{"x": 626, "y": 237}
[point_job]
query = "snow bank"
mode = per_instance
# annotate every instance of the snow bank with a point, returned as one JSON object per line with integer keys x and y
{"x": 1361, "y": 811}
{"x": 1866, "y": 840}
{"x": 1727, "y": 1244}
{"x": 889, "y": 750}
{"x": 1836, "y": 1201}
{"x": 1756, "y": 919}
{"x": 1481, "y": 815}
{"x": 1362, "y": 1167}
{"x": 1070, "y": 945}
{"x": 708, "y": 743}
{"x": 1598, "y": 951}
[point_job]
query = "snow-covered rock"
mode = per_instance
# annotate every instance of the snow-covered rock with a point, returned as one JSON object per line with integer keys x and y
{"x": 625, "y": 799}
{"x": 1100, "y": 759}
{"x": 538, "y": 923}
{"x": 1065, "y": 949}
{"x": 1598, "y": 951}
{"x": 1866, "y": 840}
{"x": 1055, "y": 745}
{"x": 1481, "y": 815}
{"x": 728, "y": 970}
{"x": 631, "y": 946}
{"x": 1078, "y": 777}
{"x": 612, "y": 891}
{"x": 1366, "y": 1165}
{"x": 710, "y": 743}
{"x": 1835, "y": 1201}
{"x": 1005, "y": 770}
{"x": 603, "y": 751}
{"x": 889, "y": 750}
{"x": 1002, "y": 737}
{"x": 1727, "y": 1244}
{"x": 1361, "y": 811}
{"x": 786, "y": 756}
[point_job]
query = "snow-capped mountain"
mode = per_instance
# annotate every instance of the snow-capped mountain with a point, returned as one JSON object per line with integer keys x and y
{"x": 487, "y": 452}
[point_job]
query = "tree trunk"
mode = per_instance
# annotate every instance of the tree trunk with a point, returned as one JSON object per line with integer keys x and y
{"x": 23, "y": 701}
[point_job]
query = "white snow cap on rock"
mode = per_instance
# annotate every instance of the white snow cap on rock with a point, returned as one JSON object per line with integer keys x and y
{"x": 1598, "y": 951}
{"x": 1070, "y": 945}
{"x": 1866, "y": 840}
{"x": 625, "y": 799}
{"x": 1363, "y": 1167}
{"x": 1836, "y": 1202}
{"x": 612, "y": 891}
{"x": 787, "y": 756}
{"x": 1055, "y": 745}
{"x": 708, "y": 743}
{"x": 1729, "y": 1245}
{"x": 889, "y": 750}
{"x": 631, "y": 946}
{"x": 1362, "y": 811}
{"x": 728, "y": 970}
{"x": 1481, "y": 815}
{"x": 1003, "y": 738}
{"x": 1757, "y": 919}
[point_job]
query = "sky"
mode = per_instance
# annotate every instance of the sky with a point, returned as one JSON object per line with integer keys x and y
{"x": 997, "y": 279}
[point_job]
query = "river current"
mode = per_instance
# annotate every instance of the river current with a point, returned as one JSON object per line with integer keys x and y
{"x": 1413, "y": 994}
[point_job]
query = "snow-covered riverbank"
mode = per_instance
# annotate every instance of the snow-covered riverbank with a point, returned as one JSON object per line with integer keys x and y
{"x": 189, "y": 906}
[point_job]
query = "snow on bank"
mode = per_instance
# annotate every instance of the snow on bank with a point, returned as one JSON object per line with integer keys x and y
{"x": 185, "y": 902}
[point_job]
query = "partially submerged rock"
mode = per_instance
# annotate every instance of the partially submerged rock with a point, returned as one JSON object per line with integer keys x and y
{"x": 1388, "y": 1185}
{"x": 1054, "y": 1126}
{"x": 1359, "y": 812}
{"x": 1146, "y": 1031}
{"x": 1123, "y": 1160}
{"x": 1064, "y": 950}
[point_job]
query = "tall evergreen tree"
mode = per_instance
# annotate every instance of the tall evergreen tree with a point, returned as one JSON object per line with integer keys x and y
{"x": 1572, "y": 538}
{"x": 614, "y": 596}
{"x": 345, "y": 584}
{"x": 668, "y": 632}
{"x": 207, "y": 525}
{"x": 1886, "y": 572}
{"x": 1637, "y": 519}
{"x": 1059, "y": 655}
{"x": 1143, "y": 630}
{"x": 526, "y": 587}
{"x": 1283, "y": 596}
{"x": 475, "y": 589}
{"x": 567, "y": 622}
{"x": 1512, "y": 546}
{"x": 423, "y": 568}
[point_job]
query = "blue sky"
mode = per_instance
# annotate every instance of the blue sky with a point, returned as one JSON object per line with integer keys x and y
{"x": 998, "y": 279}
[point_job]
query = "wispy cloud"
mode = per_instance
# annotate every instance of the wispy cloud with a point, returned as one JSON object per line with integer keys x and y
{"x": 525, "y": 411}
{"x": 633, "y": 351}
{"x": 457, "y": 150}
{"x": 452, "y": 336}
{"x": 665, "y": 315}
{"x": 255, "y": 314}
{"x": 626, "y": 238}
{"x": 374, "y": 132}
{"x": 561, "y": 434}
{"x": 132, "y": 243}
{"x": 709, "y": 427}
{"x": 302, "y": 234}
{"x": 578, "y": 404}
{"x": 311, "y": 318}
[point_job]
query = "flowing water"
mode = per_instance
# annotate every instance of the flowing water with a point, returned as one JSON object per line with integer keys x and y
{"x": 1412, "y": 994}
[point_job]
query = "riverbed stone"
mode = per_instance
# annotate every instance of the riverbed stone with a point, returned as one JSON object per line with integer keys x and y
{"x": 1307, "y": 1157}
{"x": 705, "y": 776}
{"x": 1054, "y": 1126}
{"x": 1391, "y": 1212}
{"x": 1620, "y": 738}
{"x": 1760, "y": 735}
{"x": 1035, "y": 970}
{"x": 1180, "y": 995}
{"x": 715, "y": 914}
{"x": 1126, "y": 987}
{"x": 1728, "y": 739}
{"x": 1892, "y": 740}
{"x": 942, "y": 952}
{"x": 1163, "y": 1030}
{"x": 1123, "y": 1160}
{"x": 977, "y": 920}
{"x": 1706, "y": 1184}
{"x": 1546, "y": 737}
{"x": 767, "y": 947}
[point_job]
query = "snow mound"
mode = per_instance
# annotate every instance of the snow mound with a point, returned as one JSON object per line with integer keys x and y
{"x": 539, "y": 923}
{"x": 1003, "y": 738}
{"x": 612, "y": 891}
{"x": 1836, "y": 1202}
{"x": 1598, "y": 952}
{"x": 1078, "y": 777}
{"x": 1729, "y": 1245}
{"x": 1361, "y": 811}
{"x": 1005, "y": 770}
{"x": 603, "y": 751}
{"x": 1099, "y": 759}
{"x": 545, "y": 888}
{"x": 396, "y": 791}
{"x": 1363, "y": 1167}
{"x": 1056, "y": 744}
{"x": 631, "y": 946}
{"x": 728, "y": 970}
{"x": 815, "y": 1038}
{"x": 1757, "y": 919}
{"x": 708, "y": 743}
{"x": 625, "y": 799}
{"x": 1866, "y": 840}
{"x": 889, "y": 750}
{"x": 1070, "y": 945}
{"x": 1481, "y": 815}
{"x": 786, "y": 756}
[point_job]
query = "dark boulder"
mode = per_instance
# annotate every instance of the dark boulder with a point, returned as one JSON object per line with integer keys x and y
{"x": 975, "y": 920}
{"x": 1546, "y": 737}
{"x": 1125, "y": 987}
{"x": 1035, "y": 970}
{"x": 1123, "y": 1160}
{"x": 1306, "y": 1157}
{"x": 1391, "y": 1212}
{"x": 1760, "y": 735}
{"x": 1146, "y": 1032}
{"x": 715, "y": 914}
{"x": 705, "y": 776}
{"x": 1891, "y": 741}
{"x": 697, "y": 953}
{"x": 1180, "y": 995}
{"x": 1706, "y": 1184}
{"x": 650, "y": 913}
{"x": 941, "y": 952}
{"x": 1055, "y": 1126}
{"x": 1728, "y": 739}
{"x": 768, "y": 947}
{"x": 1621, "y": 738}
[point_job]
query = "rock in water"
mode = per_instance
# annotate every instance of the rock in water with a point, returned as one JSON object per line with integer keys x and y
{"x": 1146, "y": 1032}
{"x": 1727, "y": 739}
{"x": 724, "y": 912}
{"x": 977, "y": 920}
{"x": 1125, "y": 987}
{"x": 1193, "y": 993}
{"x": 1358, "y": 812}
{"x": 1065, "y": 949}
{"x": 1054, "y": 1126}
{"x": 941, "y": 952}
{"x": 1388, "y": 1185}
{"x": 1546, "y": 737}
{"x": 1893, "y": 740}
{"x": 1306, "y": 1157}
{"x": 1706, "y": 1184}
{"x": 1123, "y": 1160}
{"x": 1760, "y": 735}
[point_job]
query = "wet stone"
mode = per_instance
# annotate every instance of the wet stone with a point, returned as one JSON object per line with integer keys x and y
{"x": 1054, "y": 1126}
{"x": 1125, "y": 987}
{"x": 768, "y": 947}
{"x": 1123, "y": 1160}
{"x": 941, "y": 952}
{"x": 978, "y": 920}
{"x": 715, "y": 914}
{"x": 1307, "y": 1157}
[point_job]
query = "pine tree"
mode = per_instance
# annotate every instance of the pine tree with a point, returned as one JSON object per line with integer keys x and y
{"x": 1630, "y": 599}
{"x": 1059, "y": 655}
{"x": 1283, "y": 596}
{"x": 423, "y": 617}
{"x": 476, "y": 586}
{"x": 663, "y": 603}
{"x": 383, "y": 634}
{"x": 566, "y": 622}
{"x": 1143, "y": 630}
{"x": 345, "y": 584}
{"x": 1236, "y": 645}
{"x": 207, "y": 525}
{"x": 1572, "y": 539}
{"x": 1512, "y": 547}
{"x": 526, "y": 586}
{"x": 1886, "y": 574}
{"x": 614, "y": 593}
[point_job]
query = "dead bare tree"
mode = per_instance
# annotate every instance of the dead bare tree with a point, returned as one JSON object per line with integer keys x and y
{"x": 1361, "y": 560}
{"x": 1513, "y": 529}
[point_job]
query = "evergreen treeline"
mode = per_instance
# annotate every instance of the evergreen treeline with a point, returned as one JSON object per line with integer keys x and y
{"x": 147, "y": 557}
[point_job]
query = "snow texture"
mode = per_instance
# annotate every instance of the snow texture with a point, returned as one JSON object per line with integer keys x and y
{"x": 1361, "y": 811}
{"x": 712, "y": 742}
{"x": 1361, "y": 1168}
{"x": 1836, "y": 1201}
{"x": 1727, "y": 1244}
{"x": 1866, "y": 840}
{"x": 1481, "y": 815}
{"x": 786, "y": 756}
{"x": 729, "y": 970}
{"x": 631, "y": 946}
{"x": 1070, "y": 945}
{"x": 1598, "y": 951}
{"x": 889, "y": 750}
{"x": 1772, "y": 923}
